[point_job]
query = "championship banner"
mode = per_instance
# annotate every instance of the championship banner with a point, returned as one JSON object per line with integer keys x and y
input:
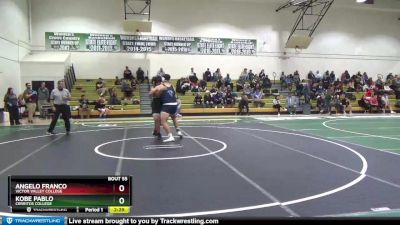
{"x": 64, "y": 41}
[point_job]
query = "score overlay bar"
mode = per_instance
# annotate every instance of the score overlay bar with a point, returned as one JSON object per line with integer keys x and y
{"x": 32, "y": 193}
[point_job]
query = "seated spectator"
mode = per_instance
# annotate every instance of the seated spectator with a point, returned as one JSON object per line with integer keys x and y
{"x": 219, "y": 83}
{"x": 321, "y": 103}
{"x": 195, "y": 89}
{"x": 198, "y": 100}
{"x": 208, "y": 102}
{"x": 100, "y": 83}
{"x": 247, "y": 90}
{"x": 266, "y": 82}
{"x": 102, "y": 91}
{"x": 311, "y": 77}
{"x": 202, "y": 85}
{"x": 385, "y": 103}
{"x": 114, "y": 97}
{"x": 291, "y": 103}
{"x": 101, "y": 106}
{"x": 185, "y": 86}
{"x": 350, "y": 87}
{"x": 127, "y": 89}
{"x": 84, "y": 109}
{"x": 240, "y": 83}
{"x": 258, "y": 95}
{"x": 276, "y": 104}
{"x": 140, "y": 75}
{"x": 228, "y": 98}
{"x": 244, "y": 105}
{"x": 345, "y": 104}
{"x": 228, "y": 80}
{"x": 134, "y": 82}
{"x": 251, "y": 75}
{"x": 217, "y": 75}
{"x": 128, "y": 73}
{"x": 117, "y": 81}
{"x": 218, "y": 99}
{"x": 370, "y": 100}
{"x": 207, "y": 75}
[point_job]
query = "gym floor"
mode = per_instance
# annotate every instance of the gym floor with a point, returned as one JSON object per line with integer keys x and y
{"x": 247, "y": 167}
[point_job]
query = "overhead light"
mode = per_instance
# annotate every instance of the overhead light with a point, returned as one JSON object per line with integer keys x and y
{"x": 361, "y": 1}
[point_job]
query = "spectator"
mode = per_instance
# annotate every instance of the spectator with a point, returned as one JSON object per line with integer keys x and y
{"x": 114, "y": 97}
{"x": 84, "y": 109}
{"x": 229, "y": 99}
{"x": 266, "y": 82}
{"x": 11, "y": 105}
{"x": 228, "y": 80}
{"x": 101, "y": 106}
{"x": 127, "y": 89}
{"x": 292, "y": 103}
{"x": 100, "y": 83}
{"x": 321, "y": 103}
{"x": 117, "y": 81}
{"x": 134, "y": 82}
{"x": 219, "y": 83}
{"x": 30, "y": 97}
{"x": 318, "y": 76}
{"x": 257, "y": 98}
{"x": 207, "y": 75}
{"x": 244, "y": 105}
{"x": 328, "y": 101}
{"x": 247, "y": 90}
{"x": 140, "y": 75}
{"x": 208, "y": 102}
{"x": 218, "y": 99}
{"x": 385, "y": 103}
{"x": 161, "y": 72}
{"x": 128, "y": 73}
{"x": 282, "y": 79}
{"x": 241, "y": 82}
{"x": 311, "y": 76}
{"x": 261, "y": 75}
{"x": 43, "y": 98}
{"x": 193, "y": 77}
{"x": 276, "y": 104}
{"x": 244, "y": 74}
{"x": 251, "y": 75}
{"x": 102, "y": 91}
{"x": 217, "y": 75}
{"x": 198, "y": 100}
{"x": 345, "y": 104}
{"x": 203, "y": 85}
{"x": 192, "y": 73}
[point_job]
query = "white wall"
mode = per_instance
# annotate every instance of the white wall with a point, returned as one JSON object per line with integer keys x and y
{"x": 350, "y": 36}
{"x": 44, "y": 67}
{"x": 14, "y": 43}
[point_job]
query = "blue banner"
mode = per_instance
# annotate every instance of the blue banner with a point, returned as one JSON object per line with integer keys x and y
{"x": 47, "y": 220}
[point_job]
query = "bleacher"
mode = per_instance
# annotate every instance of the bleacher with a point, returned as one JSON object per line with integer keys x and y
{"x": 88, "y": 88}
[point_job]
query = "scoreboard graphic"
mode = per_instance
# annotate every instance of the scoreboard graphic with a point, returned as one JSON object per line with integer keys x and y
{"x": 70, "y": 194}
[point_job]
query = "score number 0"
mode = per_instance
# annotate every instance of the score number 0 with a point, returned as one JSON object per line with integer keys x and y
{"x": 121, "y": 200}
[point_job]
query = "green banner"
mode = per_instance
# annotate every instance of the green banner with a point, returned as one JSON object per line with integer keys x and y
{"x": 64, "y": 41}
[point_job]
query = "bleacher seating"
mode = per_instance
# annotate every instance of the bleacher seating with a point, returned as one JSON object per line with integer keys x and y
{"x": 87, "y": 87}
